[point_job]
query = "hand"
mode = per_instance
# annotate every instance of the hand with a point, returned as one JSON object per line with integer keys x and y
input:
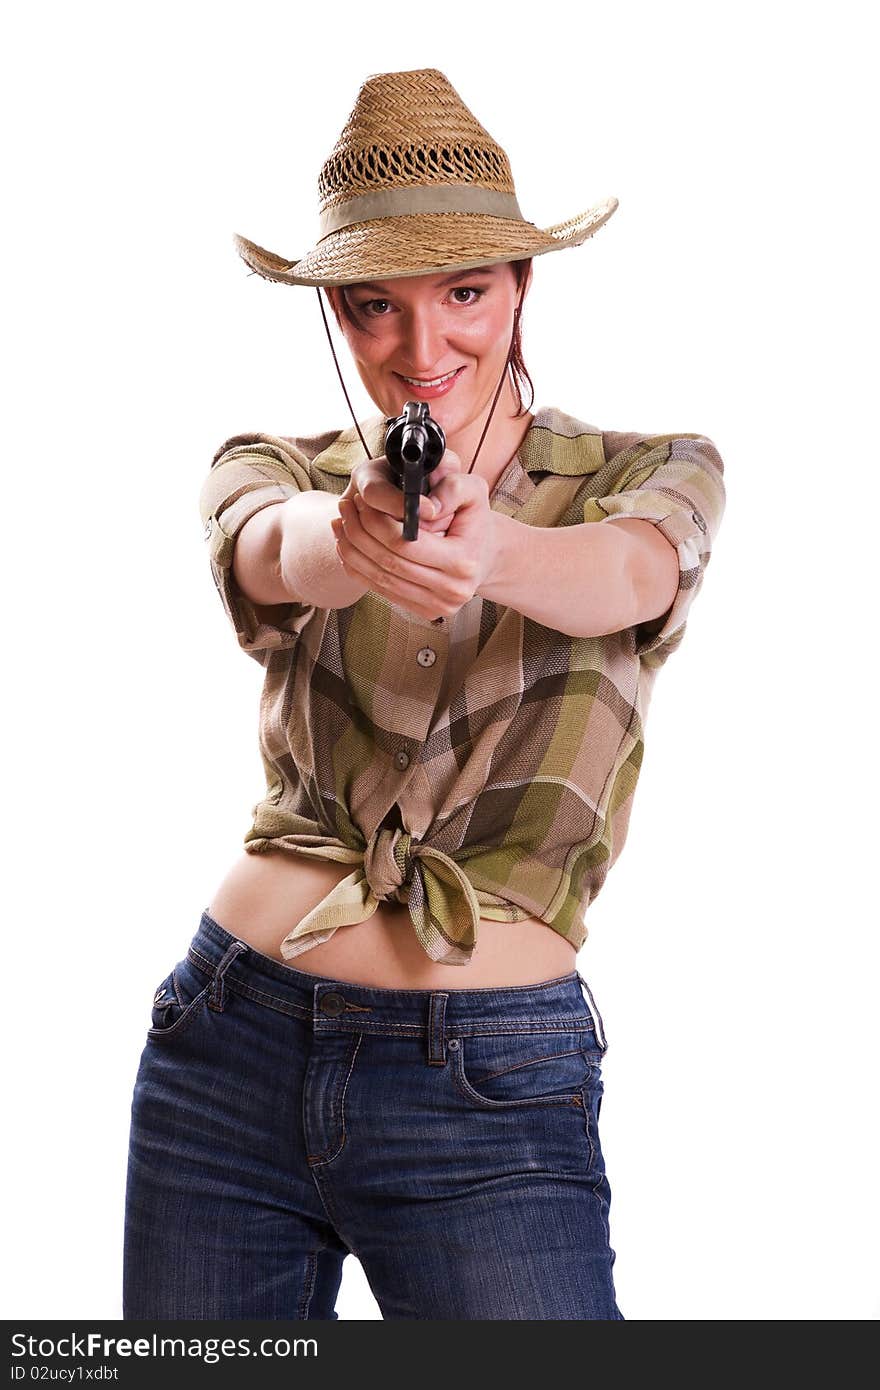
{"x": 436, "y": 574}
{"x": 373, "y": 481}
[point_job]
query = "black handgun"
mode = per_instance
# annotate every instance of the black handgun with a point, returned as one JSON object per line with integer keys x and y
{"x": 414, "y": 445}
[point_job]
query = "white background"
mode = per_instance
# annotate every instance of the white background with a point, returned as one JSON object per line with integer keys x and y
{"x": 733, "y": 951}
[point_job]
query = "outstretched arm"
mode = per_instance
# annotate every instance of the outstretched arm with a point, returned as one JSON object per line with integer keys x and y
{"x": 583, "y": 580}
{"x": 286, "y": 553}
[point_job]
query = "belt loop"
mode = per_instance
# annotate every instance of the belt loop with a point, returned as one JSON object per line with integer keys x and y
{"x": 217, "y": 992}
{"x": 597, "y": 1017}
{"x": 437, "y": 1029}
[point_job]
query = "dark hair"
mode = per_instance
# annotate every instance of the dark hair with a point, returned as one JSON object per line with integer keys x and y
{"x": 517, "y": 367}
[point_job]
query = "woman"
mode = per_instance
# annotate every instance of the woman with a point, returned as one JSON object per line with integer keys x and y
{"x": 451, "y": 729}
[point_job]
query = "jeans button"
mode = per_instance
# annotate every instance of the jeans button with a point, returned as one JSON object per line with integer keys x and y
{"x": 332, "y": 1003}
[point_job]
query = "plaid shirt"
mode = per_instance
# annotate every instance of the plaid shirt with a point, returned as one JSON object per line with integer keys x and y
{"x": 511, "y": 750}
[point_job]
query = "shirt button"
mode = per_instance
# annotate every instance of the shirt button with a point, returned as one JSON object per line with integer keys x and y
{"x": 332, "y": 1003}
{"x": 426, "y": 657}
{"x": 207, "y": 529}
{"x": 401, "y": 759}
{"x": 435, "y": 622}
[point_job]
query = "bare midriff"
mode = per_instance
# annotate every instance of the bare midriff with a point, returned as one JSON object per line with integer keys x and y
{"x": 264, "y": 896}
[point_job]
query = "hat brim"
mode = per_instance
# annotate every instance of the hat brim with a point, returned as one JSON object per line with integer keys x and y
{"x": 420, "y": 244}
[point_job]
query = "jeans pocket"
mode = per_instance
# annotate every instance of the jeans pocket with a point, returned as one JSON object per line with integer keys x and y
{"x": 502, "y": 1070}
{"x": 178, "y": 999}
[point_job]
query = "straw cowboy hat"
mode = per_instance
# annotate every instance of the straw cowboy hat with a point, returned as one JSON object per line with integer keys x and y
{"x": 415, "y": 184}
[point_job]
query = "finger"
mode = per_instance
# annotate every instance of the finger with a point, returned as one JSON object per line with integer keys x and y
{"x": 455, "y": 491}
{"x": 373, "y": 476}
{"x": 404, "y": 560}
{"x": 377, "y": 486}
{"x": 386, "y": 528}
{"x": 450, "y": 462}
{"x": 357, "y": 563}
{"x": 449, "y": 466}
{"x": 378, "y": 536}
{"x": 436, "y": 525}
{"x": 419, "y": 598}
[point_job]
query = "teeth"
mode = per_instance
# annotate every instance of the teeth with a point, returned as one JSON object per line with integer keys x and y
{"x": 414, "y": 381}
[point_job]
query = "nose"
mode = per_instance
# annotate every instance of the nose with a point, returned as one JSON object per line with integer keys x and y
{"x": 423, "y": 343}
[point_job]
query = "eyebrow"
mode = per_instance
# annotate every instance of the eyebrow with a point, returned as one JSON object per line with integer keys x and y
{"x": 450, "y": 279}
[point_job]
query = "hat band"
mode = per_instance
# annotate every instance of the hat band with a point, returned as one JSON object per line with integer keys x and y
{"x": 421, "y": 198}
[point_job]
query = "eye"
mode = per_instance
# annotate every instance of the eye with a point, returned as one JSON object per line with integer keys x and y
{"x": 468, "y": 289}
{"x": 369, "y": 302}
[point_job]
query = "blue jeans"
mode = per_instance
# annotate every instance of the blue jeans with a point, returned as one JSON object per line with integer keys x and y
{"x": 447, "y": 1138}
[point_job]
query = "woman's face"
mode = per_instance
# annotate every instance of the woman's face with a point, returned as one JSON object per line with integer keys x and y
{"x": 425, "y": 326}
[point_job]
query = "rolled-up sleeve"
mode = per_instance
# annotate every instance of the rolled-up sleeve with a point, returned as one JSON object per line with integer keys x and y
{"x": 247, "y": 473}
{"x": 676, "y": 482}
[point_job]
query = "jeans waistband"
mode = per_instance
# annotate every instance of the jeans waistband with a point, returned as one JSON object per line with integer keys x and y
{"x": 330, "y": 1004}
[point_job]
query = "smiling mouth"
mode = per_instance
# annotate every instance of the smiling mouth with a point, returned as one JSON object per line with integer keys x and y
{"x": 432, "y": 381}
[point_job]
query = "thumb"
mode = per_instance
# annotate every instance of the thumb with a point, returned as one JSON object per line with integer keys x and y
{"x": 450, "y": 463}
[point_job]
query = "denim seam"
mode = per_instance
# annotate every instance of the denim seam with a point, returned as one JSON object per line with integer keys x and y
{"x": 588, "y": 1129}
{"x": 327, "y": 1156}
{"x": 189, "y": 1013}
{"x": 535, "y": 1061}
{"x": 219, "y": 986}
{"x": 272, "y": 1001}
{"x": 589, "y": 1122}
{"x": 310, "y": 1281}
{"x": 467, "y": 1090}
{"x": 322, "y": 1187}
{"x": 513, "y": 1026}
